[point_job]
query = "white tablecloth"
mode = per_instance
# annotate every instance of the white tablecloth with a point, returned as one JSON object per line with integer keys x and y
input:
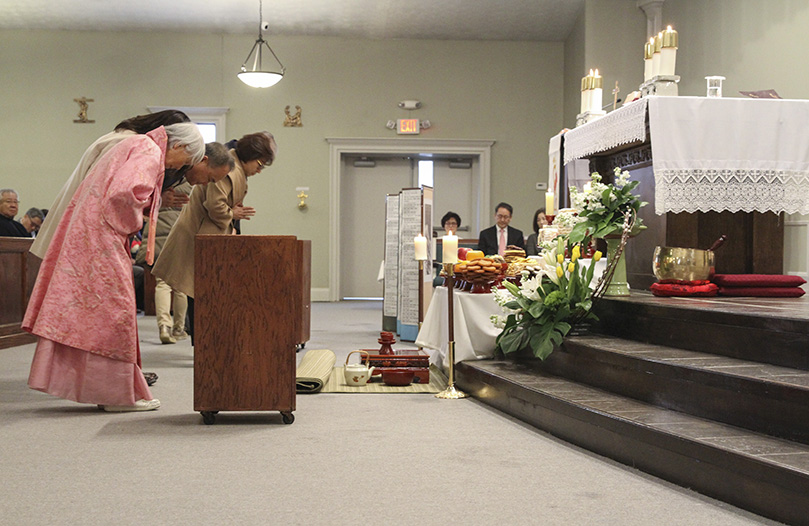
{"x": 474, "y": 333}
{"x": 717, "y": 154}
{"x": 625, "y": 125}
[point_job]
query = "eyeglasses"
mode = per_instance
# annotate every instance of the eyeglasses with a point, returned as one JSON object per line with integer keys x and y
{"x": 501, "y": 216}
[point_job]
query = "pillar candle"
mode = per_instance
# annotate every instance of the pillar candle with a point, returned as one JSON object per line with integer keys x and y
{"x": 658, "y": 40}
{"x": 449, "y": 249}
{"x": 421, "y": 247}
{"x": 648, "y": 53}
{"x": 595, "y": 93}
{"x": 668, "y": 51}
{"x": 549, "y": 202}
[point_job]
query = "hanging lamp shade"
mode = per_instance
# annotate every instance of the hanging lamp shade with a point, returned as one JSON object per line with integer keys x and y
{"x": 259, "y": 76}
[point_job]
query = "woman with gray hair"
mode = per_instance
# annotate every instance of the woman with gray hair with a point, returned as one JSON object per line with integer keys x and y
{"x": 140, "y": 124}
{"x": 82, "y": 307}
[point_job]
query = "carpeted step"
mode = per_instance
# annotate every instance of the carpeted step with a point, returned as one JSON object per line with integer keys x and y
{"x": 766, "y": 475}
{"x": 766, "y": 398}
{"x": 767, "y": 330}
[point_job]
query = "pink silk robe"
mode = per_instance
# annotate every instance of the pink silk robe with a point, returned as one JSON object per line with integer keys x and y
{"x": 84, "y": 297}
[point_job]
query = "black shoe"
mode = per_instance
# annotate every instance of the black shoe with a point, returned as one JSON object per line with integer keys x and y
{"x": 151, "y": 378}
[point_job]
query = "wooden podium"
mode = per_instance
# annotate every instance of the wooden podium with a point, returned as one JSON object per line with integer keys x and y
{"x": 251, "y": 312}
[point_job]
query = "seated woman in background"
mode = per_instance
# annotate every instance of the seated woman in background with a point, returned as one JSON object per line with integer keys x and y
{"x": 82, "y": 307}
{"x": 531, "y": 243}
{"x": 451, "y": 222}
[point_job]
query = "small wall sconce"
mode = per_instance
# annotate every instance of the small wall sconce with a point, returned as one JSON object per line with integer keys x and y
{"x": 302, "y": 195}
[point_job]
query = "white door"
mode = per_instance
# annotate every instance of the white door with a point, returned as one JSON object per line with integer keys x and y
{"x": 362, "y": 220}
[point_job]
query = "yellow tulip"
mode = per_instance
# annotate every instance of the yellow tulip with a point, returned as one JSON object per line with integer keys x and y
{"x": 575, "y": 253}
{"x": 560, "y": 258}
{"x": 559, "y": 271}
{"x": 597, "y": 255}
{"x": 571, "y": 267}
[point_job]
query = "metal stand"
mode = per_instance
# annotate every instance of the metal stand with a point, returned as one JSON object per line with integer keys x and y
{"x": 451, "y": 392}
{"x": 665, "y": 85}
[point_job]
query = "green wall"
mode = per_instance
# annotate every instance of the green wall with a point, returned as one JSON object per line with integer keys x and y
{"x": 509, "y": 92}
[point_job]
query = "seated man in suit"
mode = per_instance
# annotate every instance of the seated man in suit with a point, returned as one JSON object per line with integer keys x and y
{"x": 9, "y": 204}
{"x": 495, "y": 239}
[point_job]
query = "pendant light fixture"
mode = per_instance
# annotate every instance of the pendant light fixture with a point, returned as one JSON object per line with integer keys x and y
{"x": 258, "y": 77}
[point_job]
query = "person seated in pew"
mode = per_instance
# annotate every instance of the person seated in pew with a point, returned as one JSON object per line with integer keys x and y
{"x": 32, "y": 220}
{"x": 497, "y": 238}
{"x": 532, "y": 243}
{"x": 9, "y": 205}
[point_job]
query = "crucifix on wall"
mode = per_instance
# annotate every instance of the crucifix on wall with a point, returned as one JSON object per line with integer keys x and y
{"x": 83, "y": 105}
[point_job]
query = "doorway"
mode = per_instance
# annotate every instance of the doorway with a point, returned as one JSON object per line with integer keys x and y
{"x": 340, "y": 150}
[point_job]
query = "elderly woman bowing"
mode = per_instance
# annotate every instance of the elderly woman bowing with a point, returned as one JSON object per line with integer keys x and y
{"x": 212, "y": 210}
{"x": 82, "y": 307}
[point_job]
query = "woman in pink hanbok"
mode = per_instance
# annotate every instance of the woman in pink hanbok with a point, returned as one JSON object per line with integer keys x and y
{"x": 82, "y": 307}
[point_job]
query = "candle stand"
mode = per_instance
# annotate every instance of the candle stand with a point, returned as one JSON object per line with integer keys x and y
{"x": 451, "y": 392}
{"x": 664, "y": 85}
{"x": 588, "y": 116}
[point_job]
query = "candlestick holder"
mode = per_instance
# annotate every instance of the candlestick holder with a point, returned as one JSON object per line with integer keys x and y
{"x": 550, "y": 218}
{"x": 589, "y": 116}
{"x": 663, "y": 85}
{"x": 450, "y": 393}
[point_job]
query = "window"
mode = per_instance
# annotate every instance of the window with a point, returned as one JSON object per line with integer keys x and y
{"x": 211, "y": 121}
{"x": 426, "y": 174}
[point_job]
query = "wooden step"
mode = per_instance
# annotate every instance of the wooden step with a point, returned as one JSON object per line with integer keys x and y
{"x": 766, "y": 475}
{"x": 768, "y": 330}
{"x": 765, "y": 398}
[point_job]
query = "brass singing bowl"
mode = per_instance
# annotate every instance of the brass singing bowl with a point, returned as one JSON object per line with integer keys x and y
{"x": 686, "y": 264}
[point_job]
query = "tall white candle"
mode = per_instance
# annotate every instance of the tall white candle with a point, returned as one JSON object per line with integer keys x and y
{"x": 658, "y": 45}
{"x": 421, "y": 247}
{"x": 595, "y": 93}
{"x": 668, "y": 52}
{"x": 449, "y": 249}
{"x": 549, "y": 203}
{"x": 648, "y": 53}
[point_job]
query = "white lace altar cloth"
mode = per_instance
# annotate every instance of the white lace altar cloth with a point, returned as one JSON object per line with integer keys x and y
{"x": 730, "y": 154}
{"x": 625, "y": 125}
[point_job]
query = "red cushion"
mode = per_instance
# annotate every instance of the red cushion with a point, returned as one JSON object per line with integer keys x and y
{"x": 673, "y": 289}
{"x": 757, "y": 280}
{"x": 763, "y": 292}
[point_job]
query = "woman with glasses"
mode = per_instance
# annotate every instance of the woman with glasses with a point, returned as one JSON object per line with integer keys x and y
{"x": 212, "y": 210}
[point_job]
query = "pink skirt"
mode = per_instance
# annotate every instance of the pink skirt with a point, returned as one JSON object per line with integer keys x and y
{"x": 84, "y": 377}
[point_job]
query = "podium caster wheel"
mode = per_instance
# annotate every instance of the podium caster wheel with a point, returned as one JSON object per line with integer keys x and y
{"x": 288, "y": 417}
{"x": 209, "y": 417}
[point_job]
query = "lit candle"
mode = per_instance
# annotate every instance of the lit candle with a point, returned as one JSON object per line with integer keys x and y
{"x": 648, "y": 53}
{"x": 421, "y": 247}
{"x": 586, "y": 87}
{"x": 595, "y": 93}
{"x": 658, "y": 40}
{"x": 549, "y": 202}
{"x": 449, "y": 248}
{"x": 668, "y": 52}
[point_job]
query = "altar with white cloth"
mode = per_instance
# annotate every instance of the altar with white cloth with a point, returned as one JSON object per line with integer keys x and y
{"x": 707, "y": 167}
{"x": 474, "y": 332}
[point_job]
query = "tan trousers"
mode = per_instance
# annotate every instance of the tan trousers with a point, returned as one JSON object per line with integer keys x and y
{"x": 163, "y": 306}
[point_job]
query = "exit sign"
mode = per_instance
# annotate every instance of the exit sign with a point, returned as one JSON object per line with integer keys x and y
{"x": 408, "y": 127}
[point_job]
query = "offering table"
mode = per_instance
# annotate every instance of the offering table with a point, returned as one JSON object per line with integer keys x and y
{"x": 707, "y": 166}
{"x": 474, "y": 333}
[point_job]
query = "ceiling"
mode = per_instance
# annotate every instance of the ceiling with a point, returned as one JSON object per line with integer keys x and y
{"x": 527, "y": 20}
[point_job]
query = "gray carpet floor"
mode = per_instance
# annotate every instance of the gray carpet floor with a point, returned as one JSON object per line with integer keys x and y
{"x": 347, "y": 459}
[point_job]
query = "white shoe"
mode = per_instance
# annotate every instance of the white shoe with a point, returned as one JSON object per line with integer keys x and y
{"x": 140, "y": 405}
